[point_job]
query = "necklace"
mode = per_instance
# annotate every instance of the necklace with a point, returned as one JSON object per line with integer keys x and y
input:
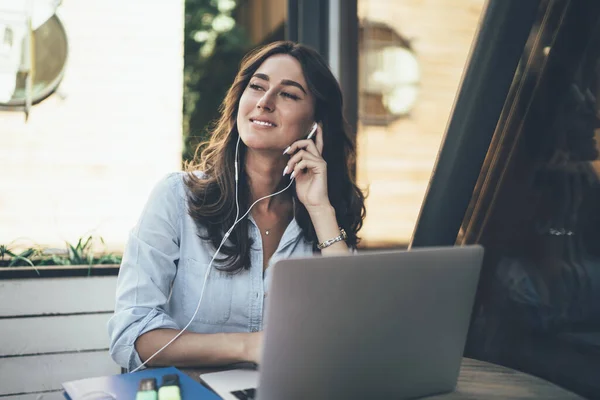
{"x": 268, "y": 230}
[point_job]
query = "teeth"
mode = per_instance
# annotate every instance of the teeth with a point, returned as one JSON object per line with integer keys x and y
{"x": 263, "y": 123}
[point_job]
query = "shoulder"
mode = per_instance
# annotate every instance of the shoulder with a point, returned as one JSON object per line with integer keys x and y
{"x": 168, "y": 195}
{"x": 190, "y": 182}
{"x": 175, "y": 182}
{"x": 168, "y": 185}
{"x": 169, "y": 198}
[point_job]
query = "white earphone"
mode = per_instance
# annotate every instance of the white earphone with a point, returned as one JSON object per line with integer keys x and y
{"x": 237, "y": 220}
{"x": 312, "y": 131}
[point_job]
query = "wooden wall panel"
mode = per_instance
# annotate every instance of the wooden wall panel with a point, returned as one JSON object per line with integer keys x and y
{"x": 47, "y": 372}
{"x": 57, "y": 295}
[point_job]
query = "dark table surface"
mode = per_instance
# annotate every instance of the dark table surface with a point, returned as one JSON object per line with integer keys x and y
{"x": 480, "y": 380}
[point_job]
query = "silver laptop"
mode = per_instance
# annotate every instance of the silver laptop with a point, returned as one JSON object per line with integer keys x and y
{"x": 371, "y": 325}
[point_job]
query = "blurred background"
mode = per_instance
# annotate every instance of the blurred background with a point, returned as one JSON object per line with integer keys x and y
{"x": 99, "y": 99}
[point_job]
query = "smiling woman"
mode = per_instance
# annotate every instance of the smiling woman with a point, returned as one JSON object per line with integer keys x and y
{"x": 275, "y": 110}
{"x": 280, "y": 91}
{"x": 198, "y": 218}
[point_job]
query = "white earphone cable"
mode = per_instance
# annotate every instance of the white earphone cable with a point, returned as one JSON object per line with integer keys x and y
{"x": 208, "y": 269}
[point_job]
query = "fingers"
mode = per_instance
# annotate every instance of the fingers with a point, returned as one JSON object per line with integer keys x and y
{"x": 305, "y": 144}
{"x": 295, "y": 159}
{"x": 300, "y": 167}
{"x": 304, "y": 160}
{"x": 305, "y": 150}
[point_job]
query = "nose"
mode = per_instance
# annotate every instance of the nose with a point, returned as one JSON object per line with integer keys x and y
{"x": 266, "y": 103}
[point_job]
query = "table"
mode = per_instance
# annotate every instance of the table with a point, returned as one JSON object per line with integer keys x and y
{"x": 481, "y": 380}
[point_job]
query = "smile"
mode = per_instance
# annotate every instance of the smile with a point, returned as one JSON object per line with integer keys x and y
{"x": 262, "y": 123}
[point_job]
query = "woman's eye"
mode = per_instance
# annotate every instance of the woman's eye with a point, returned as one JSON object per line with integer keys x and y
{"x": 289, "y": 95}
{"x": 255, "y": 86}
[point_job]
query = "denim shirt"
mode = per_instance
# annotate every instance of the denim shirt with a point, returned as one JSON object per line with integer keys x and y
{"x": 162, "y": 272}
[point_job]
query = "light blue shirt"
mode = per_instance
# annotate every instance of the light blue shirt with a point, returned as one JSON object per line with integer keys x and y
{"x": 163, "y": 269}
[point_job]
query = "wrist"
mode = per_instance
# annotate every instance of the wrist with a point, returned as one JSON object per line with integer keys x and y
{"x": 244, "y": 355}
{"x": 325, "y": 222}
{"x": 320, "y": 211}
{"x": 342, "y": 236}
{"x": 238, "y": 346}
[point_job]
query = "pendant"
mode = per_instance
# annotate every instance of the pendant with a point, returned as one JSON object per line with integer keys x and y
{"x": 267, "y": 232}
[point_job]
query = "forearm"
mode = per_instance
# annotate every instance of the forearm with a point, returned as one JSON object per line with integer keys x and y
{"x": 192, "y": 349}
{"x": 326, "y": 227}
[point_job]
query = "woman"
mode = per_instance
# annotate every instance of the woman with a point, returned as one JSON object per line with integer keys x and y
{"x": 163, "y": 292}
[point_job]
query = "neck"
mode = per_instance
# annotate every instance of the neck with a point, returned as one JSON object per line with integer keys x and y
{"x": 265, "y": 177}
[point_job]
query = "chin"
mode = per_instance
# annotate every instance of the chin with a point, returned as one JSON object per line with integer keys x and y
{"x": 255, "y": 142}
{"x": 260, "y": 141}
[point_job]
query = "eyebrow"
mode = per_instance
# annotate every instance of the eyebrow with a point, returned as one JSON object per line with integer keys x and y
{"x": 286, "y": 82}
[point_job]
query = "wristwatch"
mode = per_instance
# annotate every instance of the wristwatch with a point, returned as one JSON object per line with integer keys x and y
{"x": 329, "y": 242}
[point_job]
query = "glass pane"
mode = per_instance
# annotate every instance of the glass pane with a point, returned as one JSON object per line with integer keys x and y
{"x": 263, "y": 20}
{"x": 113, "y": 125}
{"x": 411, "y": 59}
{"x": 535, "y": 209}
{"x": 218, "y": 34}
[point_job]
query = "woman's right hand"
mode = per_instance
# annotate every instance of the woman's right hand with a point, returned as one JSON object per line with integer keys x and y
{"x": 253, "y": 346}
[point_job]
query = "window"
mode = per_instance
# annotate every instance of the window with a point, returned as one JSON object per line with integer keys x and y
{"x": 390, "y": 74}
{"x": 535, "y": 209}
{"x": 411, "y": 60}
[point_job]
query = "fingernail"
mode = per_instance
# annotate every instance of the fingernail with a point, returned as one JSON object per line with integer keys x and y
{"x": 292, "y": 175}
{"x": 286, "y": 150}
{"x": 285, "y": 170}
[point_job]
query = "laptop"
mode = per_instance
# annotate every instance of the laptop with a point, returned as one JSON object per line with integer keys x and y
{"x": 380, "y": 324}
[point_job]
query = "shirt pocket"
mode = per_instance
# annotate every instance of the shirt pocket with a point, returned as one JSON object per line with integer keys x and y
{"x": 215, "y": 308}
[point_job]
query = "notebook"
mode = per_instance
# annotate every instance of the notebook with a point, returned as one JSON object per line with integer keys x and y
{"x": 375, "y": 325}
{"x": 125, "y": 386}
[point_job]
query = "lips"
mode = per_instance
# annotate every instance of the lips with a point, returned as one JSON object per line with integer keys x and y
{"x": 263, "y": 122}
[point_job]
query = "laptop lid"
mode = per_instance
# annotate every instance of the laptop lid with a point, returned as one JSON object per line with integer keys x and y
{"x": 370, "y": 325}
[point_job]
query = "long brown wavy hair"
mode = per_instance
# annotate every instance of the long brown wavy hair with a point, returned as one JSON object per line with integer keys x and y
{"x": 211, "y": 195}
